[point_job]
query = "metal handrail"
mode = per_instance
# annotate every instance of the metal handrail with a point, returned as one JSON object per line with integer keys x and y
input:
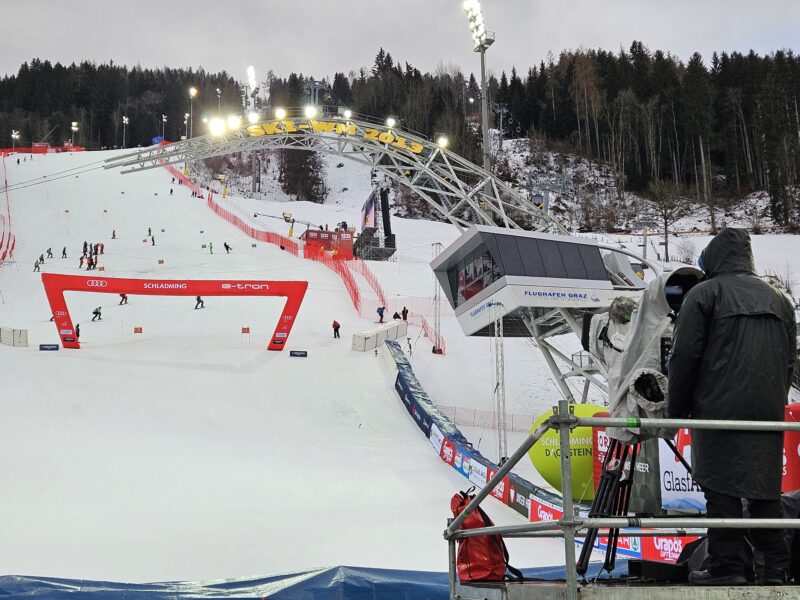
{"x": 570, "y": 525}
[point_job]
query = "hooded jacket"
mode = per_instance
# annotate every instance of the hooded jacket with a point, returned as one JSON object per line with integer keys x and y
{"x": 642, "y": 386}
{"x": 732, "y": 358}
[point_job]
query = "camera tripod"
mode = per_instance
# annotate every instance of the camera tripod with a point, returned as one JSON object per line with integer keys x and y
{"x": 612, "y": 498}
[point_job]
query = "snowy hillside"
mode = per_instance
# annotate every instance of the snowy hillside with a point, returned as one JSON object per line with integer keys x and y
{"x": 190, "y": 451}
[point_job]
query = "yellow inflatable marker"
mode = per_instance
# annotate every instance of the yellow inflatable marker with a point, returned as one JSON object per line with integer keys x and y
{"x": 545, "y": 454}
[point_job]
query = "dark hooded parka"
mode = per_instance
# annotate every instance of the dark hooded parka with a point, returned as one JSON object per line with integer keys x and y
{"x": 732, "y": 358}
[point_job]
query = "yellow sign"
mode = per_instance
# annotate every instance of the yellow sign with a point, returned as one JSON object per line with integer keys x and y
{"x": 343, "y": 128}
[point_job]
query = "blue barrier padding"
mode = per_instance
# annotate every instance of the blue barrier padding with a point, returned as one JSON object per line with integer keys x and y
{"x": 334, "y": 583}
{"x": 425, "y": 412}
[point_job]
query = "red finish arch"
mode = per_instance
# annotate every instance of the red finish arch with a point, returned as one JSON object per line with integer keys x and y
{"x": 55, "y": 286}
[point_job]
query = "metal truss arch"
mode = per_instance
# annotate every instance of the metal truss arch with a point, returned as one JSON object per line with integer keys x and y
{"x": 461, "y": 191}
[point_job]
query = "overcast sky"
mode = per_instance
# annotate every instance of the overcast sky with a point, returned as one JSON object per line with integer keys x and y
{"x": 319, "y": 37}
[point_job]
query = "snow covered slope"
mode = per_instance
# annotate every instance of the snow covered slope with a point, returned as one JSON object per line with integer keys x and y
{"x": 191, "y": 452}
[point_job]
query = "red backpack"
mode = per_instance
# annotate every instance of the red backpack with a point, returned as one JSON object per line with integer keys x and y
{"x": 481, "y": 558}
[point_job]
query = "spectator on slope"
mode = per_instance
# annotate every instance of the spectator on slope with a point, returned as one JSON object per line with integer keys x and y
{"x": 80, "y": 266}
{"x": 227, "y": 248}
{"x": 336, "y": 327}
{"x": 85, "y": 246}
{"x": 200, "y": 303}
{"x": 64, "y": 252}
{"x": 380, "y": 311}
{"x": 78, "y": 331}
{"x": 404, "y": 312}
{"x": 113, "y": 234}
{"x": 170, "y": 191}
{"x": 36, "y": 266}
{"x": 89, "y": 263}
{"x": 102, "y": 247}
{"x": 49, "y": 253}
{"x": 173, "y": 181}
{"x": 97, "y": 314}
{"x": 210, "y": 248}
{"x": 149, "y": 232}
{"x": 41, "y": 259}
{"x": 396, "y": 316}
{"x": 123, "y": 299}
{"x": 153, "y": 241}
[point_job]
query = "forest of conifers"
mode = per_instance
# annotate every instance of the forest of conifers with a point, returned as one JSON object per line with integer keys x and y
{"x": 713, "y": 129}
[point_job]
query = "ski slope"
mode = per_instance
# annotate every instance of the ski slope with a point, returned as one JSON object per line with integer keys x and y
{"x": 190, "y": 452}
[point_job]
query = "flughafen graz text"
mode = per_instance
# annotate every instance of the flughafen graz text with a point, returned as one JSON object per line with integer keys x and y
{"x": 344, "y": 128}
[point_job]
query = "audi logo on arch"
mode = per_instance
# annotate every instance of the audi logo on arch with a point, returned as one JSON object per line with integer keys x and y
{"x": 96, "y": 283}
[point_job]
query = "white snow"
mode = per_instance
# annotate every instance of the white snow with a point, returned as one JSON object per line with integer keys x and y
{"x": 194, "y": 453}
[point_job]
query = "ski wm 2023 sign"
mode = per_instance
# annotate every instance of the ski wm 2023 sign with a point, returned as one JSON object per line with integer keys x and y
{"x": 56, "y": 285}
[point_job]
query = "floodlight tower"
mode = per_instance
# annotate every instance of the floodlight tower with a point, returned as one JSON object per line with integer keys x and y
{"x": 481, "y": 40}
{"x": 192, "y": 94}
{"x": 14, "y": 138}
{"x": 124, "y": 129}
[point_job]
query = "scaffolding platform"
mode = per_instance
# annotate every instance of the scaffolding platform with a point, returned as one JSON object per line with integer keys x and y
{"x": 550, "y": 590}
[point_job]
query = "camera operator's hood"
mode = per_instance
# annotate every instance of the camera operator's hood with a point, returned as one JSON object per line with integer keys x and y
{"x": 654, "y": 302}
{"x": 728, "y": 252}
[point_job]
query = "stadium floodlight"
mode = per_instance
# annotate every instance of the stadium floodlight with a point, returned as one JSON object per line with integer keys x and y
{"x": 163, "y": 126}
{"x": 192, "y": 94}
{"x": 14, "y": 138}
{"x": 280, "y": 113}
{"x": 234, "y": 122}
{"x": 481, "y": 40}
{"x": 219, "y": 100}
{"x": 441, "y": 140}
{"x": 74, "y": 128}
{"x": 310, "y": 111}
{"x": 216, "y": 126}
{"x": 125, "y": 122}
{"x": 348, "y": 114}
{"x": 391, "y": 122}
{"x": 253, "y": 117}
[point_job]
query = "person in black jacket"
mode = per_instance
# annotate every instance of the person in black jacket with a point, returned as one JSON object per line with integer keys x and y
{"x": 732, "y": 358}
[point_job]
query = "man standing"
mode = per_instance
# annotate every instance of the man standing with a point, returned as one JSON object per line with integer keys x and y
{"x": 64, "y": 252}
{"x": 732, "y": 358}
{"x": 404, "y": 312}
{"x": 336, "y": 327}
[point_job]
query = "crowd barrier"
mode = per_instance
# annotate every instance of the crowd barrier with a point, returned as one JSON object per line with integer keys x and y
{"x": 45, "y": 149}
{"x": 318, "y": 254}
{"x": 361, "y": 267}
{"x": 7, "y": 239}
{"x": 486, "y": 419}
{"x": 453, "y": 447}
{"x": 269, "y": 237}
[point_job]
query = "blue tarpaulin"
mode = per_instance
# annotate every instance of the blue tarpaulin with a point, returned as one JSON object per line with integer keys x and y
{"x": 334, "y": 583}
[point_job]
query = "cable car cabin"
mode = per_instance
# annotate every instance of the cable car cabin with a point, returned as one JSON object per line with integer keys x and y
{"x": 524, "y": 276}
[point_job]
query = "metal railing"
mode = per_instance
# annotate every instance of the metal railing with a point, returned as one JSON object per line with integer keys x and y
{"x": 571, "y": 525}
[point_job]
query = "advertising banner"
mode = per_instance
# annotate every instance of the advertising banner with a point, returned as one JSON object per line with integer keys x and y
{"x": 519, "y": 496}
{"x": 448, "y": 452}
{"x": 478, "y": 472}
{"x": 436, "y": 439}
{"x": 630, "y": 547}
{"x": 541, "y": 510}
{"x": 461, "y": 462}
{"x": 501, "y": 490}
{"x": 679, "y": 490}
{"x": 664, "y": 549}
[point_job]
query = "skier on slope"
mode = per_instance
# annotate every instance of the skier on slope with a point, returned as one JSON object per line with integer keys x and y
{"x": 227, "y": 248}
{"x": 97, "y": 314}
{"x": 49, "y": 253}
{"x": 123, "y": 299}
{"x": 211, "y": 248}
{"x": 36, "y": 267}
{"x": 85, "y": 247}
{"x": 64, "y": 252}
{"x": 336, "y": 328}
{"x": 200, "y": 303}
{"x": 41, "y": 259}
